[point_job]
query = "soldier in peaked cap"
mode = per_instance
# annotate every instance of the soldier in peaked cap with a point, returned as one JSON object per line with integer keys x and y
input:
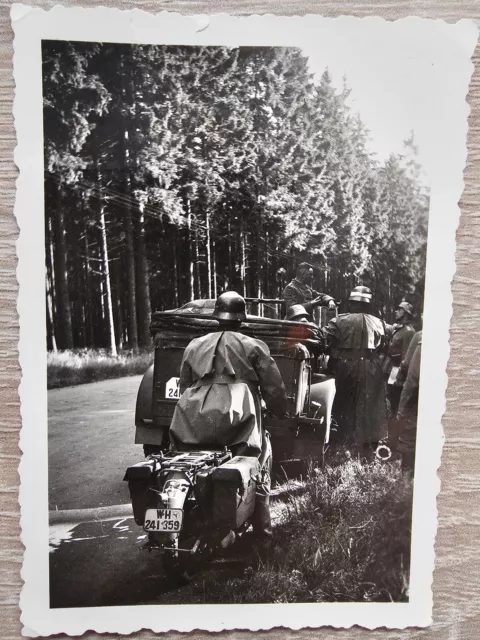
{"x": 221, "y": 377}
{"x": 298, "y": 291}
{"x": 354, "y": 340}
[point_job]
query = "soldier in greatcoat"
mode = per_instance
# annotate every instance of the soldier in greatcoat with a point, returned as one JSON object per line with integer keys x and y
{"x": 401, "y": 334}
{"x": 354, "y": 339}
{"x": 221, "y": 377}
{"x": 409, "y": 375}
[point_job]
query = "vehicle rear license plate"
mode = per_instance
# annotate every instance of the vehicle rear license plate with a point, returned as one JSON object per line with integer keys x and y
{"x": 172, "y": 388}
{"x": 165, "y": 520}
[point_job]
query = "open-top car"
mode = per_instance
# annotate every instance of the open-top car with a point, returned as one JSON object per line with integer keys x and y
{"x": 298, "y": 350}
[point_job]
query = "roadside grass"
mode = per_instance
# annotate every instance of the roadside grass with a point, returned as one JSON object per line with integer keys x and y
{"x": 345, "y": 539}
{"x": 68, "y": 368}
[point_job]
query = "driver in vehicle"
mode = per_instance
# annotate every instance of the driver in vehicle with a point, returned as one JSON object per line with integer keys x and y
{"x": 220, "y": 379}
{"x": 298, "y": 291}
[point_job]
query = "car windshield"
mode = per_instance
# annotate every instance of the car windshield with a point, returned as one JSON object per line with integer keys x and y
{"x": 203, "y": 307}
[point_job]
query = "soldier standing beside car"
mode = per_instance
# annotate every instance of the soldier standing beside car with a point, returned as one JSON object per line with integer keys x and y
{"x": 401, "y": 334}
{"x": 408, "y": 406}
{"x": 298, "y": 291}
{"x": 354, "y": 340}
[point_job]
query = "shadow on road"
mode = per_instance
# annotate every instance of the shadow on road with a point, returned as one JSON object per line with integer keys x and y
{"x": 101, "y": 564}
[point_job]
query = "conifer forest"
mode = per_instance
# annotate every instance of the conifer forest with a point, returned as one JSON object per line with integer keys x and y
{"x": 176, "y": 172}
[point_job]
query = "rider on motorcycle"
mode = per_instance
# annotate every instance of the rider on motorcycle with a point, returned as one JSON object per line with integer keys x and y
{"x": 220, "y": 406}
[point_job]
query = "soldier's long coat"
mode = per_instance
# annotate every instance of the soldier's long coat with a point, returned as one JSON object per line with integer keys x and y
{"x": 360, "y": 405}
{"x": 401, "y": 336}
{"x": 219, "y": 380}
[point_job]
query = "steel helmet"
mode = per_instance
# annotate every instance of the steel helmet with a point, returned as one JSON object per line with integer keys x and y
{"x": 230, "y": 306}
{"x": 407, "y": 307}
{"x": 296, "y": 312}
{"x": 361, "y": 294}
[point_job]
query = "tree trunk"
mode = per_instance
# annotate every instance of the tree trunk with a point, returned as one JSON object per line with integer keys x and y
{"x": 259, "y": 261}
{"x": 126, "y": 136}
{"x": 175, "y": 269}
{"x": 243, "y": 259}
{"x": 230, "y": 270}
{"x": 50, "y": 283}
{"x": 197, "y": 266}
{"x": 214, "y": 260}
{"x": 131, "y": 284}
{"x": 108, "y": 288}
{"x": 191, "y": 253}
{"x": 143, "y": 286}
{"x": 51, "y": 342}
{"x": 209, "y": 255}
{"x": 90, "y": 334}
{"x": 80, "y": 316}
{"x": 64, "y": 333}
{"x": 118, "y": 304}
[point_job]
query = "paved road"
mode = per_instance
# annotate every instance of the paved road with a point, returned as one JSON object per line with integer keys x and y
{"x": 91, "y": 443}
{"x": 100, "y": 563}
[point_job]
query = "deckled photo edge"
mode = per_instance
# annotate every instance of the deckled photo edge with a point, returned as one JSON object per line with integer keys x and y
{"x": 44, "y": 621}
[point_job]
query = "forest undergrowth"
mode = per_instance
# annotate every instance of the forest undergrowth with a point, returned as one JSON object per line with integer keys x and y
{"x": 69, "y": 368}
{"x": 345, "y": 539}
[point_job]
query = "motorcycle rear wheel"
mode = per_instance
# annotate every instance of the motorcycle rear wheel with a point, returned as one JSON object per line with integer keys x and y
{"x": 182, "y": 568}
{"x": 177, "y": 571}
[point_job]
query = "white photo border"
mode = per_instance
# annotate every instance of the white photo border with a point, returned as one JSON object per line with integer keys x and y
{"x": 100, "y": 24}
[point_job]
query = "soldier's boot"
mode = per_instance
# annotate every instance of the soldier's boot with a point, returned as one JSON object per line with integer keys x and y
{"x": 262, "y": 522}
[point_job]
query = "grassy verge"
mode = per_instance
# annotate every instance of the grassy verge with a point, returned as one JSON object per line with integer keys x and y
{"x": 346, "y": 539}
{"x": 67, "y": 368}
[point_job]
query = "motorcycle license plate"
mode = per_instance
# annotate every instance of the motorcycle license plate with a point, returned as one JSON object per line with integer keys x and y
{"x": 163, "y": 520}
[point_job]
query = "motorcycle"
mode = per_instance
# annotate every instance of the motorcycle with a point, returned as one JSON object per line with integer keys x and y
{"x": 192, "y": 504}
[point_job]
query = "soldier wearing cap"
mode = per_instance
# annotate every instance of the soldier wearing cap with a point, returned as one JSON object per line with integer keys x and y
{"x": 298, "y": 291}
{"x": 221, "y": 377}
{"x": 401, "y": 333}
{"x": 354, "y": 340}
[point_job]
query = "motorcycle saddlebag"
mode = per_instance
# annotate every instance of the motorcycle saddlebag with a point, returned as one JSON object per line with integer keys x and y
{"x": 141, "y": 478}
{"x": 234, "y": 484}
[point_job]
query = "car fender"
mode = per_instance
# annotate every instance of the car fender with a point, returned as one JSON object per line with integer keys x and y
{"x": 143, "y": 408}
{"x": 322, "y": 391}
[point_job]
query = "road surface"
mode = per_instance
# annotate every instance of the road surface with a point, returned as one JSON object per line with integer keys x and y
{"x": 95, "y": 545}
{"x": 102, "y": 564}
{"x": 91, "y": 436}
{"x": 91, "y": 443}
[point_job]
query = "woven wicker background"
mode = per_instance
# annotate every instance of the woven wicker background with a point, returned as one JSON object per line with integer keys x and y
{"x": 456, "y": 585}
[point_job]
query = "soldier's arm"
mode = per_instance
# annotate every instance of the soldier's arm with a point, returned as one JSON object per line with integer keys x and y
{"x": 308, "y": 306}
{"x": 186, "y": 376}
{"x": 322, "y": 300}
{"x": 331, "y": 333}
{"x": 410, "y": 388}
{"x": 270, "y": 378}
{"x": 405, "y": 364}
{"x": 407, "y": 338}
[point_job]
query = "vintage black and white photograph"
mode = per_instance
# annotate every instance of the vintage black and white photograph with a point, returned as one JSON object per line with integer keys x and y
{"x": 234, "y": 248}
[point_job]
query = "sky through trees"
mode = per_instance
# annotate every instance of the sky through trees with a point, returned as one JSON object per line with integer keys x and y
{"x": 176, "y": 172}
